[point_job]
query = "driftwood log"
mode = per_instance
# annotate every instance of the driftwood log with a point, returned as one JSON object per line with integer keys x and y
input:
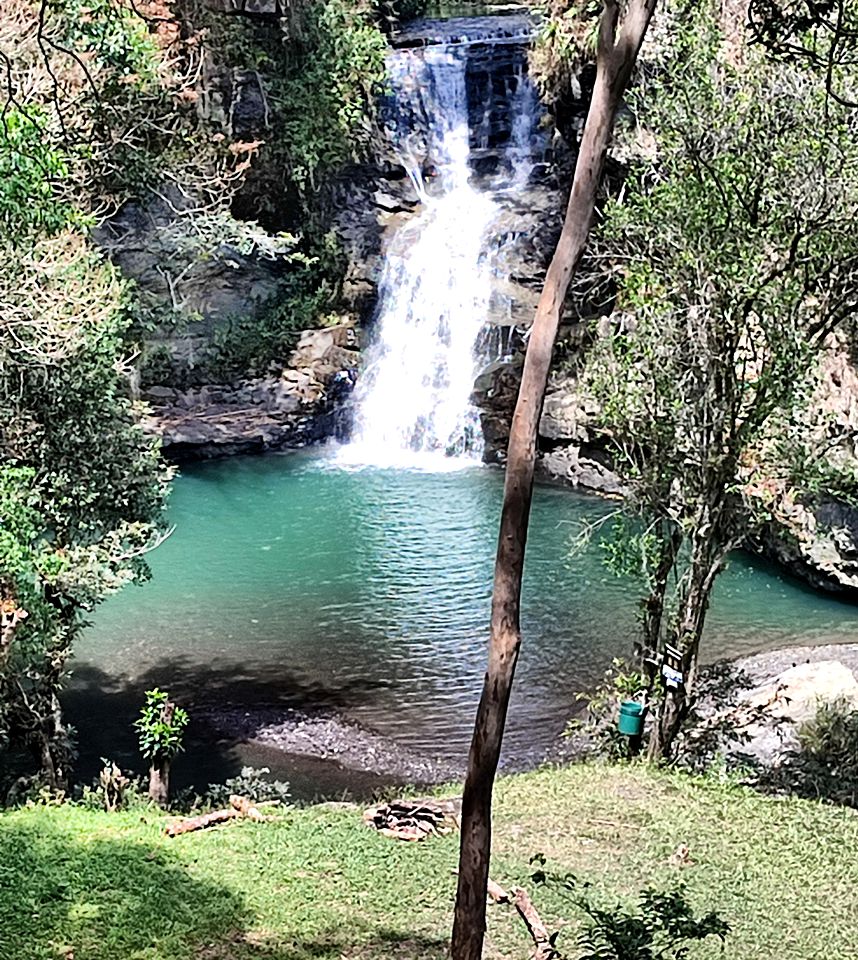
{"x": 543, "y": 948}
{"x": 239, "y": 808}
{"x": 414, "y": 819}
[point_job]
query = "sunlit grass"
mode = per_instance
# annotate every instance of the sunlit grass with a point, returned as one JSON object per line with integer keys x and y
{"x": 318, "y": 884}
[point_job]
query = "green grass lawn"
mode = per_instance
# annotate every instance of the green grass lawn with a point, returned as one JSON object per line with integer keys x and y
{"x": 78, "y": 885}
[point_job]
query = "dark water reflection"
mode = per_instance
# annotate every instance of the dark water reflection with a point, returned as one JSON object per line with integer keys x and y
{"x": 291, "y": 580}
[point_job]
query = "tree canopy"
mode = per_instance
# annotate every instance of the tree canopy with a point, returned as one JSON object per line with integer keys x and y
{"x": 735, "y": 255}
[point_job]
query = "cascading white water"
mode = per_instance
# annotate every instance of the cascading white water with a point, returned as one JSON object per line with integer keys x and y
{"x": 523, "y": 136}
{"x": 412, "y": 402}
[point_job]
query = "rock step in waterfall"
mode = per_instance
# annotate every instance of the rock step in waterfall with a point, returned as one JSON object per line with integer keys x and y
{"x": 444, "y": 268}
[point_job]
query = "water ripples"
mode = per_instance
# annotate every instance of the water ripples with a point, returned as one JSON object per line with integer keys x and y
{"x": 370, "y": 590}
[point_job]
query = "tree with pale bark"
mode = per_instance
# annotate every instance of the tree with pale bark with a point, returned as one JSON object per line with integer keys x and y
{"x": 620, "y": 33}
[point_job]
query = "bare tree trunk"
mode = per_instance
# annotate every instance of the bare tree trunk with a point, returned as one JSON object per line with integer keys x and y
{"x": 159, "y": 781}
{"x": 706, "y": 560}
{"x": 618, "y": 48}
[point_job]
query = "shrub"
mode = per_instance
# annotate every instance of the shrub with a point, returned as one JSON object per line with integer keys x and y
{"x": 251, "y": 783}
{"x": 29, "y": 169}
{"x": 662, "y": 926}
{"x": 596, "y": 733}
{"x": 827, "y": 764}
{"x": 160, "y": 730}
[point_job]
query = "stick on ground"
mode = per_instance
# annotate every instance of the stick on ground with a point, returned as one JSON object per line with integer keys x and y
{"x": 543, "y": 948}
{"x": 239, "y": 808}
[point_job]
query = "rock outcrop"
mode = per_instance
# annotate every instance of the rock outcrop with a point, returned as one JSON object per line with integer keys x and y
{"x": 784, "y": 690}
{"x": 817, "y": 541}
{"x": 571, "y": 449}
{"x": 813, "y": 535}
{"x": 304, "y": 404}
{"x": 194, "y": 283}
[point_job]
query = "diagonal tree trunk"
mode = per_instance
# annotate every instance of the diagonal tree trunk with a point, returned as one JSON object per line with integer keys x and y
{"x": 618, "y": 45}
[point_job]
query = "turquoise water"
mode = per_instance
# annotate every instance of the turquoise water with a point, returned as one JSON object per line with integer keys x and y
{"x": 290, "y": 579}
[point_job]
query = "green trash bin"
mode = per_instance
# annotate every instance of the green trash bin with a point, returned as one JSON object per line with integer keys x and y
{"x": 631, "y": 719}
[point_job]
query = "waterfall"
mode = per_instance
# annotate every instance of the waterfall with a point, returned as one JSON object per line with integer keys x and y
{"x": 412, "y": 401}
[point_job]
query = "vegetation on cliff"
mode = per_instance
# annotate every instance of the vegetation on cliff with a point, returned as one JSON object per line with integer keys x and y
{"x": 220, "y": 127}
{"x": 106, "y": 104}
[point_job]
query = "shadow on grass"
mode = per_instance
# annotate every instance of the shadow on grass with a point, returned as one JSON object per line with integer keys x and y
{"x": 79, "y": 895}
{"x": 383, "y": 945}
{"x": 69, "y": 893}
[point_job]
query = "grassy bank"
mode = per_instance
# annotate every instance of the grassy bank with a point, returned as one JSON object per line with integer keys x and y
{"x": 79, "y": 885}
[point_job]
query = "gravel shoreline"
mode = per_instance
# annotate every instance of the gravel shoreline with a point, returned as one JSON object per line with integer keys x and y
{"x": 761, "y": 666}
{"x": 327, "y": 737}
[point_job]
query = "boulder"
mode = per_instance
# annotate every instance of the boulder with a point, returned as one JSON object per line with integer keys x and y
{"x": 573, "y": 465}
{"x": 771, "y": 695}
{"x": 794, "y": 694}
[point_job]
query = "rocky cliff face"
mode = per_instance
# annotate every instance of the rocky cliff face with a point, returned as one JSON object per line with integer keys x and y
{"x": 815, "y": 533}
{"x": 198, "y": 285}
{"x": 299, "y": 406}
{"x": 192, "y": 284}
{"x": 812, "y": 534}
{"x": 376, "y": 198}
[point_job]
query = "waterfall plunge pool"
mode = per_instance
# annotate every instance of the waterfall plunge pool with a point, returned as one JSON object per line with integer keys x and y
{"x": 294, "y": 582}
{"x": 301, "y": 586}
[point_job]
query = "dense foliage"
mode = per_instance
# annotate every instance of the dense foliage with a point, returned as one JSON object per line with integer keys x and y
{"x": 735, "y": 255}
{"x": 85, "y": 125}
{"x": 319, "y": 73}
{"x": 821, "y": 35}
{"x": 227, "y": 125}
{"x": 107, "y": 102}
{"x": 81, "y": 486}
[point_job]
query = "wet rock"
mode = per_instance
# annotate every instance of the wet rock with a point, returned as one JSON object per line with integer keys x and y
{"x": 514, "y": 24}
{"x": 391, "y": 203}
{"x": 495, "y": 393}
{"x": 816, "y": 539}
{"x": 161, "y": 394}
